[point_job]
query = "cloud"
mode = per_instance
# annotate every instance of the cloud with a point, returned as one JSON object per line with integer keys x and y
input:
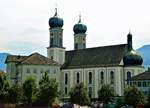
{"x": 108, "y": 22}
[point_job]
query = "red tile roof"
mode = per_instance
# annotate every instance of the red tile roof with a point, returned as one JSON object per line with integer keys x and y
{"x": 33, "y": 59}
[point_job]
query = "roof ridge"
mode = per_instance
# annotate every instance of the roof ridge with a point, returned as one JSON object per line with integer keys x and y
{"x": 35, "y": 53}
{"x": 40, "y": 56}
{"x": 27, "y": 57}
{"x": 99, "y": 47}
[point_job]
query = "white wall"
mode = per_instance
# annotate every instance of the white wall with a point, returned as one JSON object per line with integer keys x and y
{"x": 53, "y": 72}
{"x": 96, "y": 84}
{"x": 58, "y": 54}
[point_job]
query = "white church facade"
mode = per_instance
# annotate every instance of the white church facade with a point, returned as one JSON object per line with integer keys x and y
{"x": 94, "y": 67}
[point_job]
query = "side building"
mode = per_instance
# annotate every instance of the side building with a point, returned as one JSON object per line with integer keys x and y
{"x": 141, "y": 81}
{"x": 19, "y": 68}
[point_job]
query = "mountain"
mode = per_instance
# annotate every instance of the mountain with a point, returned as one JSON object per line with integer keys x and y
{"x": 2, "y": 61}
{"x": 145, "y": 52}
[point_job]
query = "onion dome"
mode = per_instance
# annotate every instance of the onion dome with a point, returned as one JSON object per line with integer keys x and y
{"x": 79, "y": 27}
{"x": 55, "y": 21}
{"x": 132, "y": 58}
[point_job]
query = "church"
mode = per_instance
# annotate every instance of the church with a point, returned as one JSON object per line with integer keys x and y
{"x": 94, "y": 67}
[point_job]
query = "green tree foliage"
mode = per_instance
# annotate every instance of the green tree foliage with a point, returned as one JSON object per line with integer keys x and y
{"x": 119, "y": 102}
{"x": 148, "y": 97}
{"x": 106, "y": 93}
{"x": 79, "y": 95}
{"x": 29, "y": 90}
{"x": 14, "y": 94}
{"x": 147, "y": 105}
{"x": 133, "y": 96}
{"x": 4, "y": 85}
{"x": 48, "y": 90}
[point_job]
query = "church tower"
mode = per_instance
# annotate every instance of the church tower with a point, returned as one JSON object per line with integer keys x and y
{"x": 56, "y": 51}
{"x": 79, "y": 35}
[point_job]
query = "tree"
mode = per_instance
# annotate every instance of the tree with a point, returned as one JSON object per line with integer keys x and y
{"x": 29, "y": 90}
{"x": 148, "y": 98}
{"x": 119, "y": 102}
{"x": 79, "y": 95}
{"x": 133, "y": 96}
{"x": 4, "y": 85}
{"x": 106, "y": 93}
{"x": 147, "y": 105}
{"x": 48, "y": 90}
{"x": 14, "y": 94}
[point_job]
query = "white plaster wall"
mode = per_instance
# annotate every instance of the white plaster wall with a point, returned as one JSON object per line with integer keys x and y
{"x": 96, "y": 85}
{"x": 53, "y": 72}
{"x": 135, "y": 70}
{"x": 58, "y": 54}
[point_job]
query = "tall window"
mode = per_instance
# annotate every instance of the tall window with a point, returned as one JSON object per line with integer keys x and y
{"x": 90, "y": 77}
{"x": 34, "y": 71}
{"x": 76, "y": 46}
{"x": 66, "y": 91}
{"x": 144, "y": 84}
{"x": 41, "y": 70}
{"x": 83, "y": 45}
{"x": 112, "y": 77}
{"x": 139, "y": 84}
{"x": 78, "y": 77}
{"x": 66, "y": 78}
{"x": 54, "y": 71}
{"x": 51, "y": 41}
{"x": 28, "y": 70}
{"x": 90, "y": 92}
{"x": 102, "y": 77}
{"x": 128, "y": 75}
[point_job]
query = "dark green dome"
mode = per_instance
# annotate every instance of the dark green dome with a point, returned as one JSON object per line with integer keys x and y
{"x": 55, "y": 21}
{"x": 79, "y": 27}
{"x": 132, "y": 58}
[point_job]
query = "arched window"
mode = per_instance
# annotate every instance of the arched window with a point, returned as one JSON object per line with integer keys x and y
{"x": 112, "y": 77}
{"x": 102, "y": 77}
{"x": 66, "y": 91}
{"x": 78, "y": 77}
{"x": 90, "y": 77}
{"x": 128, "y": 75}
{"x": 90, "y": 92}
{"x": 66, "y": 78}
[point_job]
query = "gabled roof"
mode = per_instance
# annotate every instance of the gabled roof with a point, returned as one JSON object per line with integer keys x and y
{"x": 15, "y": 58}
{"x": 142, "y": 76}
{"x": 95, "y": 57}
{"x": 33, "y": 59}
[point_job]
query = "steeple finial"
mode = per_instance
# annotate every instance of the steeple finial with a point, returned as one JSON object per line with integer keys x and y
{"x": 129, "y": 40}
{"x": 129, "y": 31}
{"x": 55, "y": 10}
{"x": 79, "y": 17}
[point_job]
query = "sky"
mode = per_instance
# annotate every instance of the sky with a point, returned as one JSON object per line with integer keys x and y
{"x": 24, "y": 25}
